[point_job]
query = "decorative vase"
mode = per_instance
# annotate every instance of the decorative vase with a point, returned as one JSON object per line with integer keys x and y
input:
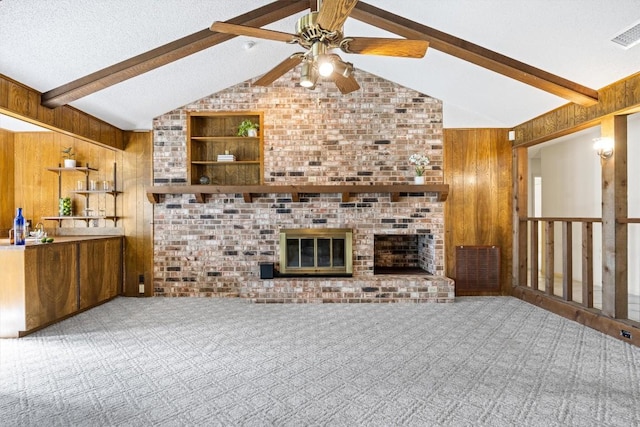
{"x": 252, "y": 133}
{"x": 69, "y": 163}
{"x": 419, "y": 180}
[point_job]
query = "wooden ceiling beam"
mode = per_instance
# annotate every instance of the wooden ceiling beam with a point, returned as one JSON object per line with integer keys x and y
{"x": 475, "y": 54}
{"x": 166, "y": 54}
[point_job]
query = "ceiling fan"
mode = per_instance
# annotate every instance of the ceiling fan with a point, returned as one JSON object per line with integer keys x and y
{"x": 319, "y": 33}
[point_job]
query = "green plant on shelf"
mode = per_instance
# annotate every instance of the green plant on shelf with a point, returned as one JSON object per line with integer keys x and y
{"x": 68, "y": 153}
{"x": 247, "y": 127}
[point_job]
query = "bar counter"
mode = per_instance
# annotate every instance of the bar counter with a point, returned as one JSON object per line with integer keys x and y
{"x": 43, "y": 283}
{"x": 5, "y": 245}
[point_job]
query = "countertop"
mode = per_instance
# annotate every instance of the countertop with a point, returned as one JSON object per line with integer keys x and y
{"x": 4, "y": 243}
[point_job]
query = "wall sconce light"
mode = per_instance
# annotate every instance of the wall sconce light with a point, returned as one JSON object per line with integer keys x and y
{"x": 603, "y": 147}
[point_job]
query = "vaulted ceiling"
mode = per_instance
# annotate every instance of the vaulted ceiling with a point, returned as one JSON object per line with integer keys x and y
{"x": 48, "y": 44}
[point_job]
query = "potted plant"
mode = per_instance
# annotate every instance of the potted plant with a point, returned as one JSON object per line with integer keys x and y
{"x": 248, "y": 128}
{"x": 420, "y": 162}
{"x": 69, "y": 157}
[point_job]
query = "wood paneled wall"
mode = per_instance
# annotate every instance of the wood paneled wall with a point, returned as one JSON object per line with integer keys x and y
{"x": 22, "y": 102}
{"x": 477, "y": 167}
{"x": 137, "y": 221}
{"x": 7, "y": 192}
{"x": 36, "y": 188}
{"x": 621, "y": 97}
{"x": 25, "y": 182}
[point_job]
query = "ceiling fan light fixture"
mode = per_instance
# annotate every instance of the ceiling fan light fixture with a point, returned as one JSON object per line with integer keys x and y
{"x": 325, "y": 66}
{"x": 345, "y": 69}
{"x": 308, "y": 75}
{"x": 319, "y": 33}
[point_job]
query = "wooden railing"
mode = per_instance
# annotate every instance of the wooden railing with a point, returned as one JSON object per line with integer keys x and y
{"x": 536, "y": 234}
{"x": 548, "y": 230}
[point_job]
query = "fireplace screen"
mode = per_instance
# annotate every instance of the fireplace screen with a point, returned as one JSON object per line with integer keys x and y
{"x": 312, "y": 251}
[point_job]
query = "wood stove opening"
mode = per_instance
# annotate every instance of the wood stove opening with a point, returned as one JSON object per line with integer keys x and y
{"x": 400, "y": 254}
{"x": 316, "y": 252}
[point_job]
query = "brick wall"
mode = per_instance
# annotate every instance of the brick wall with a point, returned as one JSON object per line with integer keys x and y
{"x": 320, "y": 137}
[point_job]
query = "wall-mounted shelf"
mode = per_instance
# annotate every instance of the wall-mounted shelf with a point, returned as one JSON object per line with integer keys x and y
{"x": 248, "y": 191}
{"x": 235, "y": 162}
{"x": 86, "y": 170}
{"x": 83, "y": 169}
{"x": 86, "y": 219}
{"x": 86, "y": 193}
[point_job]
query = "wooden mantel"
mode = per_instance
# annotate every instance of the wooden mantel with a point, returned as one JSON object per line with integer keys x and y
{"x": 248, "y": 191}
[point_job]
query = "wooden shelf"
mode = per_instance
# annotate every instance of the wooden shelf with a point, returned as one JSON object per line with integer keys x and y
{"x": 216, "y": 163}
{"x": 83, "y": 169}
{"x": 248, "y": 191}
{"x": 224, "y": 138}
{"x": 87, "y": 192}
{"x": 210, "y": 134}
{"x": 86, "y": 219}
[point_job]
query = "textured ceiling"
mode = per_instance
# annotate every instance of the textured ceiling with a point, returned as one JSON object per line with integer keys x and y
{"x": 47, "y": 43}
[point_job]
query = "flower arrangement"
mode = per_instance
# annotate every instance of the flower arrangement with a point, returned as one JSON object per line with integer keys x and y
{"x": 420, "y": 162}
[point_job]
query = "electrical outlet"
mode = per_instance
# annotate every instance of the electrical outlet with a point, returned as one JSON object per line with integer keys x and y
{"x": 625, "y": 334}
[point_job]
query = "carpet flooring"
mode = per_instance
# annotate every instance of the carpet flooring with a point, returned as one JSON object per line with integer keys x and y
{"x": 492, "y": 361}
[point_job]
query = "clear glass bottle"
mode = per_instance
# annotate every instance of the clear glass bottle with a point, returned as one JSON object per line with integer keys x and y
{"x": 19, "y": 229}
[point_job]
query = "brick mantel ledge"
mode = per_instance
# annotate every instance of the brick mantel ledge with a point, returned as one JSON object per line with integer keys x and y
{"x": 200, "y": 191}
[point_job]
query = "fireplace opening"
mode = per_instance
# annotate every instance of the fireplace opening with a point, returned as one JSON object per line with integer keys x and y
{"x": 316, "y": 252}
{"x": 401, "y": 254}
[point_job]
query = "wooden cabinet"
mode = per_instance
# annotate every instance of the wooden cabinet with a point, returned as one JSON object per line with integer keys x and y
{"x": 210, "y": 135}
{"x": 100, "y": 271}
{"x": 45, "y": 283}
{"x": 50, "y": 285}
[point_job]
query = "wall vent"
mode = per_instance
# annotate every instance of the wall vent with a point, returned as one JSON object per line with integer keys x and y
{"x": 629, "y": 37}
{"x": 477, "y": 269}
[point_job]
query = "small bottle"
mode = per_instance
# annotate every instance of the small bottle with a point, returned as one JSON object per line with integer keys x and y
{"x": 19, "y": 229}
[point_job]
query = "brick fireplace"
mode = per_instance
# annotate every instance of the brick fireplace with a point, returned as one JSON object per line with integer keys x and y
{"x": 318, "y": 252}
{"x": 310, "y": 137}
{"x": 402, "y": 254}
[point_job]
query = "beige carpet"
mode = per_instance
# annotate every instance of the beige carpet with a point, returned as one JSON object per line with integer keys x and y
{"x": 493, "y": 361}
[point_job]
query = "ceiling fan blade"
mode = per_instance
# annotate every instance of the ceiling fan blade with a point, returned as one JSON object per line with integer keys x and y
{"x": 277, "y": 71}
{"x": 385, "y": 47}
{"x": 345, "y": 84}
{"x": 244, "y": 30}
{"x": 333, "y": 13}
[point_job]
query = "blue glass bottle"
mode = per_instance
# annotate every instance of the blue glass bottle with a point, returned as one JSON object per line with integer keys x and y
{"x": 18, "y": 228}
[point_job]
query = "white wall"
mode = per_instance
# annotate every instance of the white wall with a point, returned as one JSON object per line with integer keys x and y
{"x": 571, "y": 187}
